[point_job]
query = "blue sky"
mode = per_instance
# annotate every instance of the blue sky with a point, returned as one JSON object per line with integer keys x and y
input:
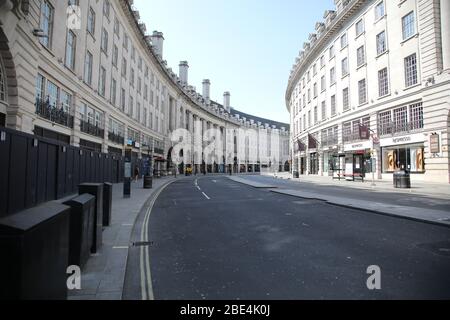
{"x": 246, "y": 47}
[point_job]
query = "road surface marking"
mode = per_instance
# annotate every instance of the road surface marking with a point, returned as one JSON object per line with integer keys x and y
{"x": 124, "y": 247}
{"x": 206, "y": 196}
{"x": 146, "y": 277}
{"x": 215, "y": 181}
{"x": 199, "y": 188}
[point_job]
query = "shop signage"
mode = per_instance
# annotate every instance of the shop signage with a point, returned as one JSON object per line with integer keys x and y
{"x": 394, "y": 141}
{"x": 358, "y": 146}
{"x": 435, "y": 146}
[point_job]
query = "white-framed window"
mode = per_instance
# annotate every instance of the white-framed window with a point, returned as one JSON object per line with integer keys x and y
{"x": 113, "y": 91}
{"x": 132, "y": 77}
{"x": 124, "y": 67}
{"x": 345, "y": 99}
{"x": 315, "y": 90}
{"x": 66, "y": 101}
{"x": 115, "y": 56}
{"x": 104, "y": 42}
{"x": 116, "y": 26}
{"x": 332, "y": 76}
{"x": 314, "y": 69}
{"x": 333, "y": 105}
{"x": 331, "y": 51}
{"x": 123, "y": 98}
{"x": 324, "y": 110}
{"x": 379, "y": 11}
{"x": 2, "y": 82}
{"x": 360, "y": 56}
{"x": 102, "y": 82}
{"x": 138, "y": 112}
{"x": 46, "y": 23}
{"x": 71, "y": 43}
{"x": 88, "y": 68}
{"x": 125, "y": 42}
{"x": 106, "y": 8}
{"x": 322, "y": 61}
{"x": 144, "y": 119}
{"x": 131, "y": 106}
{"x": 91, "y": 21}
{"x": 359, "y": 27}
{"x": 322, "y": 83}
{"x": 411, "y": 70}
{"x": 408, "y": 25}
{"x": 315, "y": 115}
{"x": 381, "y": 42}
{"x": 362, "y": 91}
{"x": 383, "y": 82}
{"x": 344, "y": 64}
{"x": 344, "y": 40}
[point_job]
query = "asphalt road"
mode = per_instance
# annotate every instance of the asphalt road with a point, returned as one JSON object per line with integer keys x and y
{"x": 225, "y": 240}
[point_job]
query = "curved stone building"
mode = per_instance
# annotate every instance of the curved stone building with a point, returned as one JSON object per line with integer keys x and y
{"x": 88, "y": 74}
{"x": 370, "y": 91}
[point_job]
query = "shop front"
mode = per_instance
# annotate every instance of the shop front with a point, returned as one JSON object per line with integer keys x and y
{"x": 330, "y": 161}
{"x": 313, "y": 163}
{"x": 358, "y": 159}
{"x": 403, "y": 153}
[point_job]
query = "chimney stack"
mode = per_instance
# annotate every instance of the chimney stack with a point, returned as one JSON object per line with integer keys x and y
{"x": 184, "y": 68}
{"x": 226, "y": 101}
{"x": 158, "y": 43}
{"x": 206, "y": 90}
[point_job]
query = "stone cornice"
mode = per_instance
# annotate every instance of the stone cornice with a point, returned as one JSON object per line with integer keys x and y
{"x": 317, "y": 47}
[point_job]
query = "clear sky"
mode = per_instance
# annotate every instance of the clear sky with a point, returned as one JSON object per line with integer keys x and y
{"x": 246, "y": 47}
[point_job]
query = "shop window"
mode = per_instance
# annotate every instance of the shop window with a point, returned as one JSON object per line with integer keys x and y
{"x": 410, "y": 158}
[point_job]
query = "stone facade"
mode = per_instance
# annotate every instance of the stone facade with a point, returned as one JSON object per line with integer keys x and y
{"x": 90, "y": 75}
{"x": 371, "y": 91}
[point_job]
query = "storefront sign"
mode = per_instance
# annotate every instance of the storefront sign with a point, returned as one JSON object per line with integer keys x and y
{"x": 435, "y": 146}
{"x": 358, "y": 146}
{"x": 394, "y": 141}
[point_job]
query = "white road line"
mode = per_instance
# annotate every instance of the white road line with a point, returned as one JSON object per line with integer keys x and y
{"x": 123, "y": 247}
{"x": 206, "y": 196}
{"x": 199, "y": 188}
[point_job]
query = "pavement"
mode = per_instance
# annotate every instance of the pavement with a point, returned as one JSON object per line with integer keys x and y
{"x": 211, "y": 238}
{"x": 427, "y": 203}
{"x": 102, "y": 278}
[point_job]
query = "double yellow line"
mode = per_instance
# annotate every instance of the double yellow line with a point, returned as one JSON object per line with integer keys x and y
{"x": 146, "y": 276}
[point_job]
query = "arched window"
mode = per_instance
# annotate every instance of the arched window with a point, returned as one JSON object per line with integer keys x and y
{"x": 2, "y": 82}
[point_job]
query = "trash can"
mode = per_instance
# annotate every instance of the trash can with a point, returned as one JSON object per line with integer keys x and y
{"x": 402, "y": 179}
{"x": 107, "y": 203}
{"x": 95, "y": 189}
{"x": 296, "y": 174}
{"x": 148, "y": 182}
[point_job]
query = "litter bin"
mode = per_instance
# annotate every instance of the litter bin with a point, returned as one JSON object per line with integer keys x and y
{"x": 402, "y": 179}
{"x": 296, "y": 174}
{"x": 148, "y": 182}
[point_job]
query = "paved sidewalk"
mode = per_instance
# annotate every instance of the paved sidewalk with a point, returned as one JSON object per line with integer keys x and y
{"x": 103, "y": 276}
{"x": 436, "y": 190}
{"x": 427, "y": 215}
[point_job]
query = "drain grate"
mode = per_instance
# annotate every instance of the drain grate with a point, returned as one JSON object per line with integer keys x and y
{"x": 143, "y": 244}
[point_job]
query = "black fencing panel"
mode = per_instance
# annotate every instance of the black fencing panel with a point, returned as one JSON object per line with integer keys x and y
{"x": 4, "y": 172}
{"x": 69, "y": 172}
{"x": 34, "y": 170}
{"x": 17, "y": 173}
{"x": 42, "y": 173}
{"x": 52, "y": 169}
{"x": 32, "y": 174}
{"x": 61, "y": 171}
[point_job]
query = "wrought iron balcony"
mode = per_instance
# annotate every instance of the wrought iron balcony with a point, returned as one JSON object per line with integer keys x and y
{"x": 116, "y": 138}
{"x": 91, "y": 129}
{"x": 54, "y": 113}
{"x": 353, "y": 137}
{"x": 393, "y": 128}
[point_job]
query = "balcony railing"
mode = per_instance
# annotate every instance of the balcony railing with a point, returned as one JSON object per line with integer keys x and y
{"x": 353, "y": 137}
{"x": 55, "y": 113}
{"x": 329, "y": 141}
{"x": 91, "y": 129}
{"x": 393, "y": 128}
{"x": 116, "y": 138}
